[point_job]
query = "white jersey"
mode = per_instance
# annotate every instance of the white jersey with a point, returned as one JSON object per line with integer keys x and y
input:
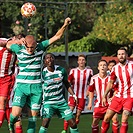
{"x": 98, "y": 85}
{"x": 124, "y": 76}
{"x": 79, "y": 80}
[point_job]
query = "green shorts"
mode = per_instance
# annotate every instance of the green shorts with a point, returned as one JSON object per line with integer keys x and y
{"x": 61, "y": 109}
{"x": 31, "y": 94}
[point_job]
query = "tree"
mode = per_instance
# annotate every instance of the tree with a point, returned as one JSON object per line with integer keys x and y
{"x": 112, "y": 29}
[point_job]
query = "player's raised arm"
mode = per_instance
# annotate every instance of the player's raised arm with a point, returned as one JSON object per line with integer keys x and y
{"x": 15, "y": 41}
{"x": 60, "y": 32}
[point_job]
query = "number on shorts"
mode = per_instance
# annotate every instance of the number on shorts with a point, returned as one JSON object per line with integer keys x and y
{"x": 17, "y": 99}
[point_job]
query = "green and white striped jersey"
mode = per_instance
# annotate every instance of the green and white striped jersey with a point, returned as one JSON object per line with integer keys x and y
{"x": 53, "y": 85}
{"x": 29, "y": 65}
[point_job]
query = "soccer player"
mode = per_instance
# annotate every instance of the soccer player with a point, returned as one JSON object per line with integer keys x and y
{"x": 123, "y": 99}
{"x": 111, "y": 64}
{"x": 115, "y": 120}
{"x": 8, "y": 109}
{"x": 29, "y": 85}
{"x": 79, "y": 78}
{"x": 98, "y": 85}
{"x": 53, "y": 100}
{"x": 7, "y": 66}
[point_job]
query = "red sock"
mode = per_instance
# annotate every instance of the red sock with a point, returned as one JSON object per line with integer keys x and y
{"x": 2, "y": 115}
{"x": 18, "y": 129}
{"x": 115, "y": 127}
{"x": 77, "y": 122}
{"x": 95, "y": 129}
{"x": 124, "y": 127}
{"x": 7, "y": 114}
{"x": 104, "y": 127}
{"x": 65, "y": 125}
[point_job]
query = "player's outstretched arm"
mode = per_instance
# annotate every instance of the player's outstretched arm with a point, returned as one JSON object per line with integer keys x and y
{"x": 60, "y": 32}
{"x": 15, "y": 41}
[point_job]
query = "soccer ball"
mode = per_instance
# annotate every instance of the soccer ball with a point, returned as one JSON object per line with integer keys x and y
{"x": 28, "y": 10}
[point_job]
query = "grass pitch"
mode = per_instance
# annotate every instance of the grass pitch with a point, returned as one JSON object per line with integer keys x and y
{"x": 56, "y": 125}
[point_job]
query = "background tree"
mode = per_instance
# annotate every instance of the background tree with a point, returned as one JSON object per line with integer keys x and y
{"x": 96, "y": 25}
{"x": 112, "y": 29}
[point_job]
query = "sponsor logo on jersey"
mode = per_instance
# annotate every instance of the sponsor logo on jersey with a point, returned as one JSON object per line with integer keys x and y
{"x": 57, "y": 79}
{"x": 36, "y": 106}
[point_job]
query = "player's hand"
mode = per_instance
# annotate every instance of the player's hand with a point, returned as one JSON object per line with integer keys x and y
{"x": 89, "y": 106}
{"x": 75, "y": 98}
{"x": 67, "y": 21}
{"x": 104, "y": 101}
{"x": 22, "y": 40}
{"x": 109, "y": 100}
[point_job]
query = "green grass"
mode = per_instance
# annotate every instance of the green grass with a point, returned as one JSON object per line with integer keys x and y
{"x": 56, "y": 125}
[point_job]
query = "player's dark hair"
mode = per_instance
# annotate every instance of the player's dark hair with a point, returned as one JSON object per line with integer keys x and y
{"x": 112, "y": 61}
{"x": 50, "y": 54}
{"x": 123, "y": 48}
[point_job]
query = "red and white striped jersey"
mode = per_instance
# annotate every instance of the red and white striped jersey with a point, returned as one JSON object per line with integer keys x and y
{"x": 79, "y": 80}
{"x": 7, "y": 62}
{"x": 124, "y": 76}
{"x": 98, "y": 85}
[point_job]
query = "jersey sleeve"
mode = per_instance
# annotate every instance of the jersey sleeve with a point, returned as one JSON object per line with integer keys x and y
{"x": 43, "y": 45}
{"x": 65, "y": 74}
{"x": 91, "y": 74}
{"x": 91, "y": 87}
{"x": 15, "y": 48}
{"x": 70, "y": 76}
{"x": 112, "y": 74}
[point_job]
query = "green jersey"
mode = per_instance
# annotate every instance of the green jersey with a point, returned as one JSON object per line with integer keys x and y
{"x": 29, "y": 64}
{"x": 53, "y": 85}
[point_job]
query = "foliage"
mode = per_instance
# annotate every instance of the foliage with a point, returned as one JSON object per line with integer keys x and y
{"x": 50, "y": 16}
{"x": 115, "y": 25}
{"x": 99, "y": 26}
{"x": 112, "y": 29}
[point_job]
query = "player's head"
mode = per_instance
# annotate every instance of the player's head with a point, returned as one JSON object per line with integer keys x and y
{"x": 102, "y": 66}
{"x": 81, "y": 60}
{"x": 30, "y": 44}
{"x": 111, "y": 63}
{"x": 49, "y": 60}
{"x": 122, "y": 55}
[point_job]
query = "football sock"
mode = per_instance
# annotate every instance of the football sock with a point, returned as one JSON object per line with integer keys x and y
{"x": 13, "y": 119}
{"x": 95, "y": 129}
{"x": 18, "y": 129}
{"x": 74, "y": 130}
{"x": 7, "y": 114}
{"x": 43, "y": 130}
{"x": 65, "y": 125}
{"x": 77, "y": 122}
{"x": 104, "y": 127}
{"x": 115, "y": 127}
{"x": 124, "y": 127}
{"x": 32, "y": 125}
{"x": 2, "y": 115}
